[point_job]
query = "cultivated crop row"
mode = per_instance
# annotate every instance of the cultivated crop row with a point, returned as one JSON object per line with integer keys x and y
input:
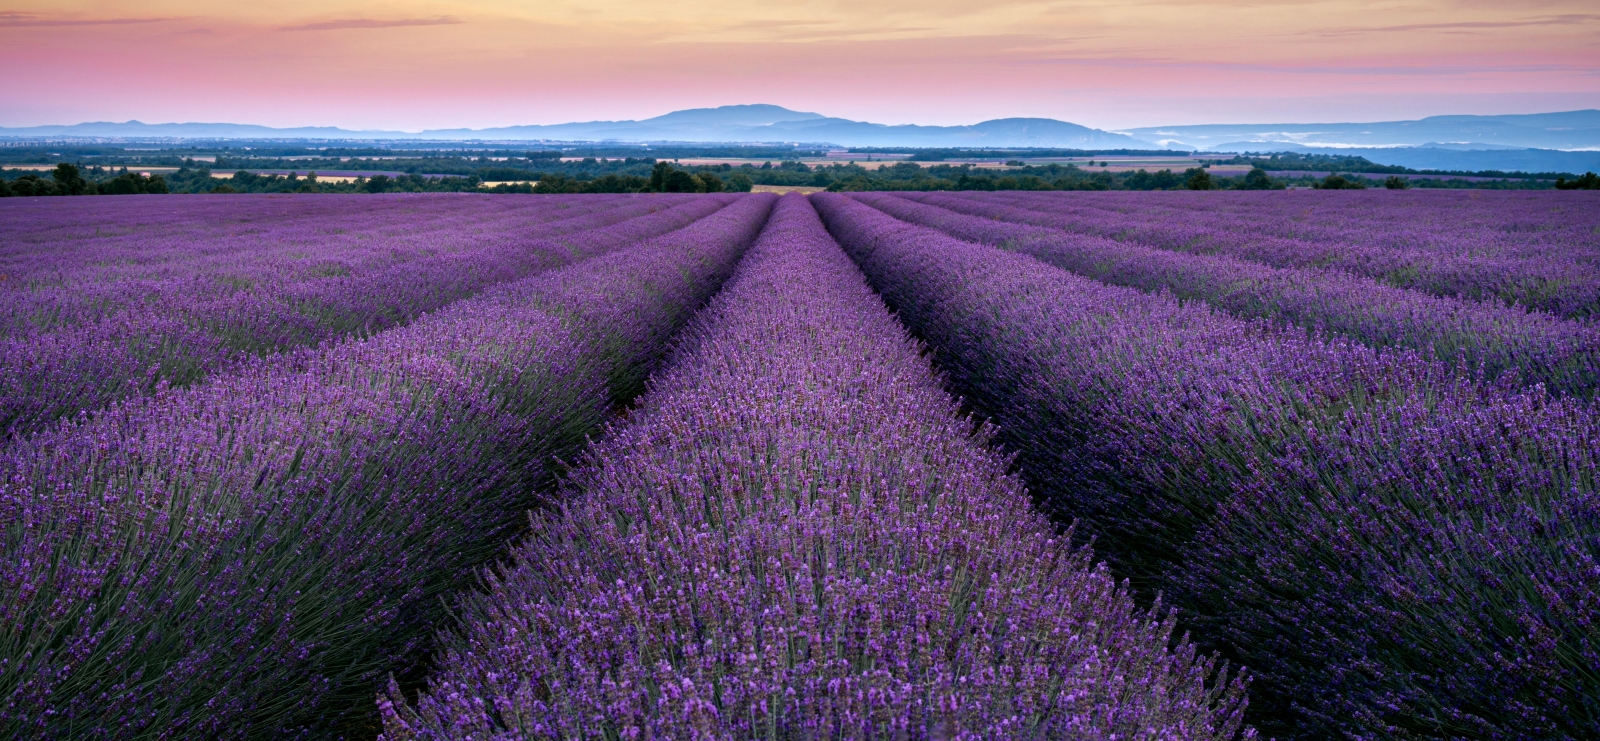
{"x": 797, "y": 535}
{"x": 1556, "y": 273}
{"x": 263, "y": 485}
{"x": 1503, "y": 224}
{"x": 1388, "y": 546}
{"x": 46, "y": 244}
{"x": 252, "y": 556}
{"x": 1474, "y": 336}
{"x": 129, "y": 328}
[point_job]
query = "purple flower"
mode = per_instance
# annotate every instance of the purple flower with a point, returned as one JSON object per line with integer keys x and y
{"x": 253, "y": 555}
{"x": 797, "y": 535}
{"x": 129, "y": 307}
{"x": 1391, "y": 546}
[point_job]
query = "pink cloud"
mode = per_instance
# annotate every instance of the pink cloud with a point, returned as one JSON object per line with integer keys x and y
{"x": 13, "y": 19}
{"x": 349, "y": 23}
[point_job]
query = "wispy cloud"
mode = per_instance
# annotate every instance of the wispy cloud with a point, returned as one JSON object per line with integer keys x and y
{"x": 781, "y": 24}
{"x": 13, "y": 19}
{"x": 348, "y": 23}
{"x": 1421, "y": 70}
{"x": 1554, "y": 20}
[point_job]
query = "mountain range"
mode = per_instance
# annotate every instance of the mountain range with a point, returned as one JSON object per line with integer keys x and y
{"x": 1467, "y": 157}
{"x": 1567, "y": 130}
{"x": 1526, "y": 142}
{"x": 734, "y": 123}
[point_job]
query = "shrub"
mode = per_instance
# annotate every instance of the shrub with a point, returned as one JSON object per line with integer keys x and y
{"x": 1258, "y": 179}
{"x": 1588, "y": 181}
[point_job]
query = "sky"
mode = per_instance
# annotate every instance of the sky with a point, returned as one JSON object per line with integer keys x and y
{"x": 416, "y": 64}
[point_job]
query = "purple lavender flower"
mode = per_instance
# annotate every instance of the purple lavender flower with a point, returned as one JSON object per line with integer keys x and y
{"x": 796, "y": 535}
{"x": 251, "y": 556}
{"x": 1390, "y": 546}
{"x": 1532, "y": 249}
{"x": 1482, "y": 336}
{"x": 90, "y": 320}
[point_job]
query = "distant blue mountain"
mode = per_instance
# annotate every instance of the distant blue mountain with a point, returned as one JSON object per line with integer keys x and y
{"x": 1470, "y": 158}
{"x": 1510, "y": 142}
{"x": 1567, "y": 130}
{"x": 769, "y": 123}
{"x": 735, "y": 123}
{"x": 1003, "y": 132}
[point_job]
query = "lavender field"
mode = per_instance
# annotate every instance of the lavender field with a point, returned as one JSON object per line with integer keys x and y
{"x": 976, "y": 465}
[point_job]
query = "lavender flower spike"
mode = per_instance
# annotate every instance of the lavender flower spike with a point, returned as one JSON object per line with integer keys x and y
{"x": 797, "y": 536}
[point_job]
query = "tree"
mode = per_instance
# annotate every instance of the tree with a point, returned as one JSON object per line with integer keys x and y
{"x": 968, "y": 181}
{"x": 740, "y": 183}
{"x": 658, "y": 176}
{"x": 709, "y": 183}
{"x": 1258, "y": 179}
{"x": 224, "y": 188}
{"x": 1395, "y": 182}
{"x": 1339, "y": 182}
{"x": 1589, "y": 181}
{"x": 378, "y": 184}
{"x": 617, "y": 184}
{"x": 33, "y": 185}
{"x": 1159, "y": 180}
{"x": 68, "y": 180}
{"x": 558, "y": 184}
{"x": 5, "y": 189}
{"x": 1198, "y": 179}
{"x": 124, "y": 184}
{"x": 680, "y": 181}
{"x": 131, "y": 183}
{"x": 857, "y": 184}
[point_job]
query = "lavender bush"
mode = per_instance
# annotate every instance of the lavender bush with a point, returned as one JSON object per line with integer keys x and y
{"x": 88, "y": 326}
{"x": 1478, "y": 336}
{"x": 796, "y": 535}
{"x": 1416, "y": 239}
{"x": 251, "y": 556}
{"x": 1393, "y": 549}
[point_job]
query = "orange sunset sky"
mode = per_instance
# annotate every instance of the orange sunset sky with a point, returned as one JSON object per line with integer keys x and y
{"x": 477, "y": 63}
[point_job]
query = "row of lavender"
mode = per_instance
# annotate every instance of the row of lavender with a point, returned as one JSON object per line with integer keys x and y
{"x": 1392, "y": 547}
{"x": 1537, "y": 254}
{"x": 1505, "y": 343}
{"x": 56, "y": 276}
{"x": 797, "y": 535}
{"x": 1504, "y": 224}
{"x": 38, "y": 234}
{"x": 253, "y": 555}
{"x": 87, "y": 324}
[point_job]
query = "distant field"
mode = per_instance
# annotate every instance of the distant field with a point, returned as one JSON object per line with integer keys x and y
{"x": 326, "y": 176}
{"x": 320, "y": 177}
{"x": 135, "y": 168}
{"x": 1111, "y": 163}
{"x": 806, "y": 189}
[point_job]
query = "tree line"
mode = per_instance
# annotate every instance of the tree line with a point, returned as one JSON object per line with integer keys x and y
{"x": 1295, "y": 161}
{"x": 646, "y": 176}
{"x": 68, "y": 180}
